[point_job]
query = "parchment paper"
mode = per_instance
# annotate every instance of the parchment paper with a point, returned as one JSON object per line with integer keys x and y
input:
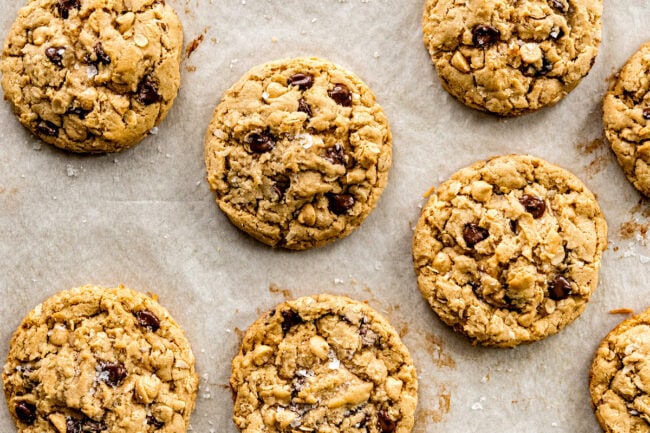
{"x": 146, "y": 217}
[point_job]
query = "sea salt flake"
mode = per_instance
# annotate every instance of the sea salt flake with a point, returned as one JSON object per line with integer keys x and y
{"x": 644, "y": 259}
{"x": 477, "y": 406}
{"x": 71, "y": 171}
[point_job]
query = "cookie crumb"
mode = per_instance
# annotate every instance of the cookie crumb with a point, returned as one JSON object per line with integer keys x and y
{"x": 621, "y": 311}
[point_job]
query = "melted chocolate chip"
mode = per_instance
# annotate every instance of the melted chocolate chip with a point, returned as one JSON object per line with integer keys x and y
{"x": 281, "y": 186}
{"x": 261, "y": 142}
{"x": 26, "y": 412}
{"x": 65, "y": 6}
{"x": 341, "y": 95}
{"x": 385, "y": 423}
{"x": 559, "y": 289}
{"x": 514, "y": 225}
{"x": 335, "y": 154}
{"x": 147, "y": 320}
{"x": 78, "y": 111}
{"x": 473, "y": 234}
{"x": 533, "y": 205}
{"x": 646, "y": 113}
{"x": 304, "y": 107}
{"x": 151, "y": 420}
{"x": 484, "y": 36}
{"x": 560, "y": 5}
{"x": 556, "y": 33}
{"x": 368, "y": 337}
{"x": 303, "y": 81}
{"x": 55, "y": 55}
{"x": 290, "y": 319}
{"x": 147, "y": 91}
{"x": 112, "y": 373}
{"x": 340, "y": 204}
{"x": 46, "y": 127}
{"x": 86, "y": 425}
{"x": 532, "y": 71}
{"x": 102, "y": 57}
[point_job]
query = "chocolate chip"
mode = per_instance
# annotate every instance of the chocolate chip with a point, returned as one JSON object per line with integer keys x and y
{"x": 484, "y": 36}
{"x": 304, "y": 107}
{"x": 532, "y": 71}
{"x": 102, "y": 57}
{"x": 46, "y": 127}
{"x": 55, "y": 55}
{"x": 65, "y": 6}
{"x": 290, "y": 319}
{"x": 335, "y": 154}
{"x": 385, "y": 423}
{"x": 559, "y": 5}
{"x": 646, "y": 113}
{"x": 147, "y": 91}
{"x": 341, "y": 95}
{"x": 112, "y": 373}
{"x": 78, "y": 111}
{"x": 26, "y": 412}
{"x": 556, "y": 33}
{"x": 514, "y": 225}
{"x": 533, "y": 205}
{"x": 147, "y": 320}
{"x": 86, "y": 425}
{"x": 151, "y": 420}
{"x": 559, "y": 289}
{"x": 340, "y": 204}
{"x": 368, "y": 337}
{"x": 261, "y": 142}
{"x": 473, "y": 234}
{"x": 303, "y": 81}
{"x": 281, "y": 186}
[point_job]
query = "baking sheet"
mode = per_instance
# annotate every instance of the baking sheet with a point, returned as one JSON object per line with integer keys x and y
{"x": 146, "y": 217}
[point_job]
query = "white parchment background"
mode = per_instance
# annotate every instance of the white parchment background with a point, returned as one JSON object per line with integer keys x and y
{"x": 146, "y": 217}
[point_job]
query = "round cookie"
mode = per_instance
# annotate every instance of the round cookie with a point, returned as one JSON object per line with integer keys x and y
{"x": 323, "y": 363}
{"x": 619, "y": 381}
{"x": 510, "y": 57}
{"x": 298, "y": 153}
{"x": 508, "y": 250}
{"x": 95, "y": 359}
{"x": 626, "y": 118}
{"x": 92, "y": 75}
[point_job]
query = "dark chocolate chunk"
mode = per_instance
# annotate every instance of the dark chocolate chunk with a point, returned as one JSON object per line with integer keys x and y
{"x": 147, "y": 91}
{"x": 341, "y": 95}
{"x": 514, "y": 225}
{"x": 65, "y": 6}
{"x": 532, "y": 71}
{"x": 560, "y": 5}
{"x": 261, "y": 142}
{"x": 556, "y": 33}
{"x": 147, "y": 320}
{"x": 533, "y": 205}
{"x": 281, "y": 186}
{"x": 46, "y": 127}
{"x": 385, "y": 423}
{"x": 290, "y": 319}
{"x": 340, "y": 204}
{"x": 102, "y": 57}
{"x": 304, "y": 107}
{"x": 55, "y": 55}
{"x": 335, "y": 154}
{"x": 559, "y": 289}
{"x": 156, "y": 423}
{"x": 368, "y": 337}
{"x": 26, "y": 412}
{"x": 78, "y": 111}
{"x": 484, "y": 36}
{"x": 303, "y": 81}
{"x": 85, "y": 425}
{"x": 473, "y": 234}
{"x": 646, "y": 113}
{"x": 112, "y": 373}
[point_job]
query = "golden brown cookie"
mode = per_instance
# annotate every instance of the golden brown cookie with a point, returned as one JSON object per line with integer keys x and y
{"x": 298, "y": 153}
{"x": 511, "y": 57}
{"x": 95, "y": 359}
{"x": 92, "y": 75}
{"x": 323, "y": 363}
{"x": 620, "y": 377}
{"x": 508, "y": 250}
{"x": 626, "y": 118}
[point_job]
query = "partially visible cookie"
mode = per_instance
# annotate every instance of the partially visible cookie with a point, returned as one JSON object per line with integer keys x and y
{"x": 626, "y": 118}
{"x": 96, "y": 359}
{"x": 90, "y": 75}
{"x": 619, "y": 380}
{"x": 508, "y": 250}
{"x": 511, "y": 57}
{"x": 298, "y": 152}
{"x": 323, "y": 363}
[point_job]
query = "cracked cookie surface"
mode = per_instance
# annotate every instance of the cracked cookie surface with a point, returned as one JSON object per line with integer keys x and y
{"x": 620, "y": 377}
{"x": 508, "y": 250}
{"x": 509, "y": 57}
{"x": 298, "y": 153}
{"x": 95, "y": 359}
{"x": 323, "y": 363}
{"x": 92, "y": 75}
{"x": 626, "y": 118}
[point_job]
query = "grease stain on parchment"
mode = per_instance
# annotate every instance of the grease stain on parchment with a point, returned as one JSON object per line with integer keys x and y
{"x": 638, "y": 223}
{"x": 277, "y": 290}
{"x": 600, "y": 152}
{"x": 441, "y": 403}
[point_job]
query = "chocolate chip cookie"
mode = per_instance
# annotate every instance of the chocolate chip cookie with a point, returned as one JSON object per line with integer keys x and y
{"x": 298, "y": 152}
{"x": 92, "y": 76}
{"x": 509, "y": 57}
{"x": 508, "y": 250}
{"x": 620, "y": 377}
{"x": 95, "y": 359}
{"x": 626, "y": 118}
{"x": 323, "y": 363}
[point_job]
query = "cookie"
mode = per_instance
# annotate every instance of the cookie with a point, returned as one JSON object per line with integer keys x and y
{"x": 92, "y": 75}
{"x": 323, "y": 363}
{"x": 95, "y": 359}
{"x": 626, "y": 119}
{"x": 508, "y": 250}
{"x": 619, "y": 380}
{"x": 510, "y": 57}
{"x": 298, "y": 153}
